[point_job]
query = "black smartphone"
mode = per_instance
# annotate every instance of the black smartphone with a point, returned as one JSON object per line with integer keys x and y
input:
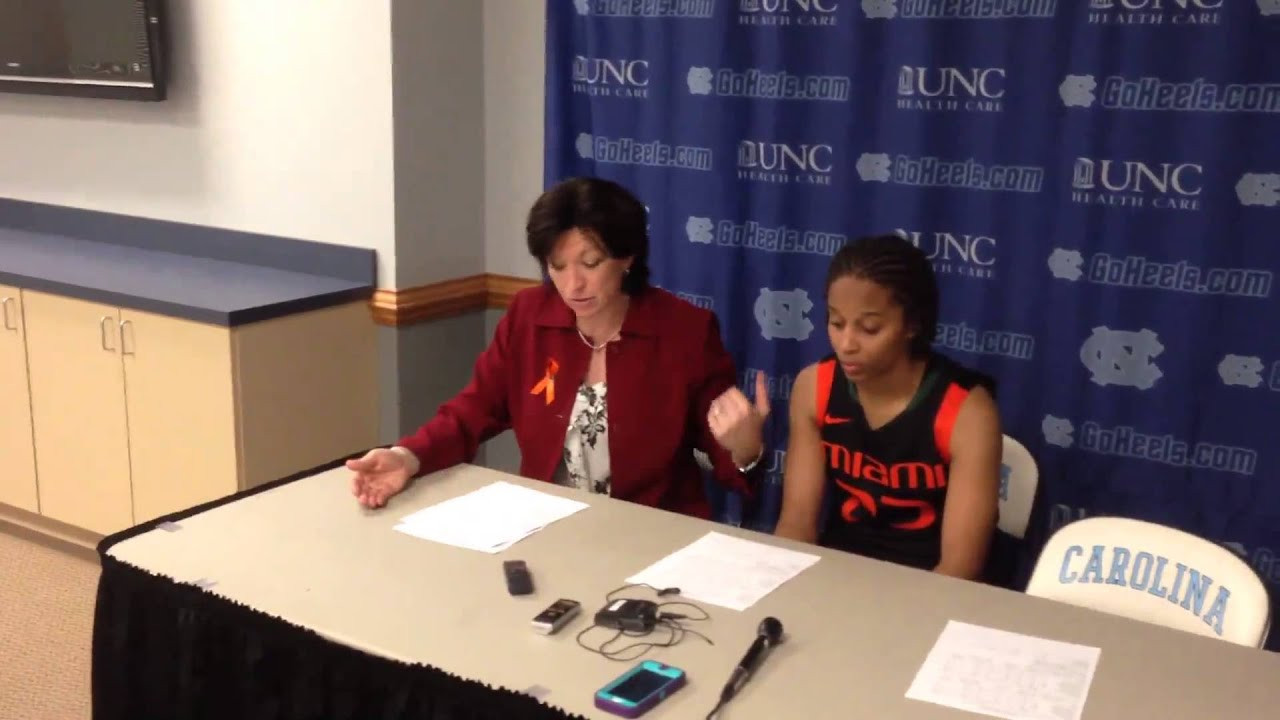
{"x": 519, "y": 581}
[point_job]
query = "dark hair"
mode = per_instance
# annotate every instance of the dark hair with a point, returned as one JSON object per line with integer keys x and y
{"x": 895, "y": 263}
{"x": 602, "y": 208}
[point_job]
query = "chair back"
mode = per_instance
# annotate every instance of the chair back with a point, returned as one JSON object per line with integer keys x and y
{"x": 1157, "y": 574}
{"x": 1018, "y": 480}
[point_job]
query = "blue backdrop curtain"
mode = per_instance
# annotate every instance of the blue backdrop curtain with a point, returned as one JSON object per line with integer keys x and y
{"x": 1097, "y": 182}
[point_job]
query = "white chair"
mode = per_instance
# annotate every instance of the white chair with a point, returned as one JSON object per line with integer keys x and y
{"x": 703, "y": 460}
{"x": 1157, "y": 574}
{"x": 1018, "y": 480}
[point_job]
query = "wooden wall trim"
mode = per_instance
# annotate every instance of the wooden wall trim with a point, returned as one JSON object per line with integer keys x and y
{"x": 448, "y": 298}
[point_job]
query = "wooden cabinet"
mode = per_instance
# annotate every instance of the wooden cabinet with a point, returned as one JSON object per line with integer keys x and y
{"x": 18, "y": 475}
{"x": 181, "y": 409}
{"x": 78, "y": 412}
{"x": 135, "y": 415}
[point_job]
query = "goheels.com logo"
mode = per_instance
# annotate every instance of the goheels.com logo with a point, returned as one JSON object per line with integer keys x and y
{"x": 951, "y": 9}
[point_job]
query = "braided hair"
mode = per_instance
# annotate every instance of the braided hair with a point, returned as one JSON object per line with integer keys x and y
{"x": 903, "y": 269}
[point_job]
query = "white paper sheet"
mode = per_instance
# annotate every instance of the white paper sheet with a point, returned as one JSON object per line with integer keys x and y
{"x": 724, "y": 570}
{"x": 1005, "y": 674}
{"x": 490, "y": 519}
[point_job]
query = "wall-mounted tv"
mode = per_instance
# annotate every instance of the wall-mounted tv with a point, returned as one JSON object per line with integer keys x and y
{"x": 89, "y": 48}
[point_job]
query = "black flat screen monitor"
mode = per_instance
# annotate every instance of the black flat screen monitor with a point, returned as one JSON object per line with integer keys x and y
{"x": 90, "y": 48}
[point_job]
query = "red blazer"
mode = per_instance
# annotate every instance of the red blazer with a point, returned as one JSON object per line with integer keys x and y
{"x": 663, "y": 373}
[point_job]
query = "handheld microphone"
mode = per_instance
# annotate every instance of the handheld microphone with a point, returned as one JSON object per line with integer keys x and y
{"x": 767, "y": 635}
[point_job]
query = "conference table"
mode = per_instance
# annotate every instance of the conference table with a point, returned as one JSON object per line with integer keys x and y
{"x": 292, "y": 601}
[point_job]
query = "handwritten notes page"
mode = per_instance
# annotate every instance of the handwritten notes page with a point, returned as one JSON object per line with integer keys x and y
{"x": 1005, "y": 674}
{"x": 725, "y": 570}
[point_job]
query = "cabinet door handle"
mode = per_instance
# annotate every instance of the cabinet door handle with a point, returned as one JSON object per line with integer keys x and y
{"x": 4, "y": 305}
{"x": 124, "y": 344}
{"x": 102, "y": 327}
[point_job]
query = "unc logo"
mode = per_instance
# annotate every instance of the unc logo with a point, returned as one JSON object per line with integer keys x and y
{"x": 699, "y": 80}
{"x": 1269, "y": 7}
{"x": 699, "y": 230}
{"x": 1066, "y": 264}
{"x": 582, "y": 6}
{"x": 1077, "y": 91}
{"x": 782, "y": 314}
{"x": 1057, "y": 431}
{"x": 1122, "y": 357}
{"x": 887, "y": 9}
{"x": 1259, "y": 188}
{"x": 874, "y": 167}
{"x": 585, "y": 146}
{"x": 1241, "y": 370}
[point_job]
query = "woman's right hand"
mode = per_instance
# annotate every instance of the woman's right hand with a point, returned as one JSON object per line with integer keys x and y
{"x": 380, "y": 474}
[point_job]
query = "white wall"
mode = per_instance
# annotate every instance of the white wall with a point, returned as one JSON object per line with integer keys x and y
{"x": 437, "y": 59}
{"x": 514, "y": 78}
{"x": 279, "y": 121}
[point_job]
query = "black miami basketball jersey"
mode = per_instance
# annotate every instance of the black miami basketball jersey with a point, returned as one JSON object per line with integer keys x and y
{"x": 887, "y": 487}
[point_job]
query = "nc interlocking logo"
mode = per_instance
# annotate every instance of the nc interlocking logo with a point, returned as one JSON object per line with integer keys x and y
{"x": 1066, "y": 264}
{"x": 700, "y": 230}
{"x": 887, "y": 9}
{"x": 1248, "y": 371}
{"x": 1242, "y": 370}
{"x": 699, "y": 80}
{"x": 1122, "y": 357}
{"x": 1058, "y": 431}
{"x": 1078, "y": 91}
{"x": 875, "y": 167}
{"x": 783, "y": 314}
{"x": 1259, "y": 188}
{"x": 954, "y": 9}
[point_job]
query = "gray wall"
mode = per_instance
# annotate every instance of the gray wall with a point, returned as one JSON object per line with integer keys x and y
{"x": 428, "y": 150}
{"x": 433, "y": 362}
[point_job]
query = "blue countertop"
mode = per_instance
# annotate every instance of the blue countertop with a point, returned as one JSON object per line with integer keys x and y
{"x": 213, "y": 290}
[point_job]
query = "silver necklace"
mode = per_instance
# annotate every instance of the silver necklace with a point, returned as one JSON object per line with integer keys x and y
{"x": 596, "y": 348}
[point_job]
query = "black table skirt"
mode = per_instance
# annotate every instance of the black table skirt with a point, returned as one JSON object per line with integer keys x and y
{"x": 174, "y": 651}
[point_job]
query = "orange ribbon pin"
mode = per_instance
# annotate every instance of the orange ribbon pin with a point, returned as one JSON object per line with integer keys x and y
{"x": 548, "y": 381}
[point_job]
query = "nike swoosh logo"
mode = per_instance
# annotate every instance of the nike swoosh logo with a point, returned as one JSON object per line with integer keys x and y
{"x": 828, "y": 420}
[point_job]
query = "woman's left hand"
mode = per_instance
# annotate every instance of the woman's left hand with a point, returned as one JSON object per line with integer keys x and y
{"x": 737, "y": 423}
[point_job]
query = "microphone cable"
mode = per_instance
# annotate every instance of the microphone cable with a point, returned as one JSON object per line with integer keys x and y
{"x": 672, "y": 622}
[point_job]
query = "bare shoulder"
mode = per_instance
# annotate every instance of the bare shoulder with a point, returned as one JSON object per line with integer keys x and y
{"x": 979, "y": 417}
{"x": 804, "y": 392}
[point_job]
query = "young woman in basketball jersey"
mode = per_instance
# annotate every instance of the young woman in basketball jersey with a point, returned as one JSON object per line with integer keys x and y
{"x": 902, "y": 442}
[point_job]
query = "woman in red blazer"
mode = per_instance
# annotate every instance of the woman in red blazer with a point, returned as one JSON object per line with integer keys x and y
{"x": 609, "y": 383}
